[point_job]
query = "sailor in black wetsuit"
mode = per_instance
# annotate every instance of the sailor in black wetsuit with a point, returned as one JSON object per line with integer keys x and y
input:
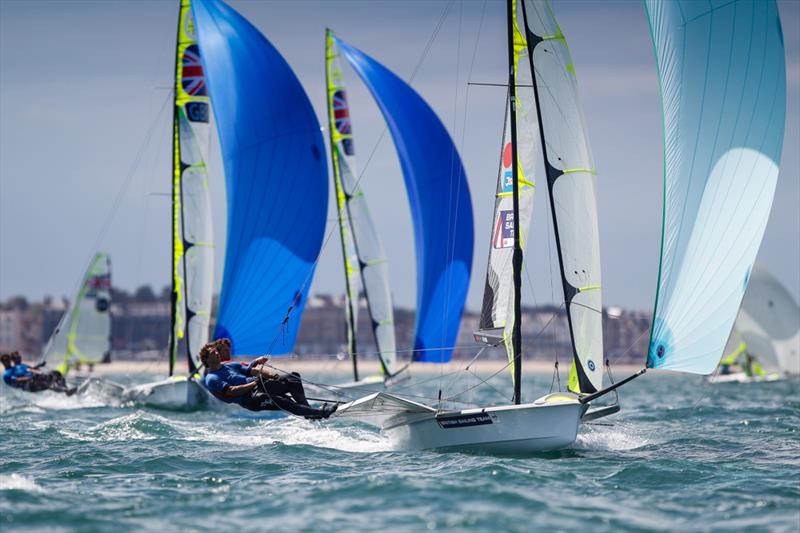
{"x": 253, "y": 386}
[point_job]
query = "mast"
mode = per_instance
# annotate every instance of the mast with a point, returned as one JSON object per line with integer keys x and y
{"x": 341, "y": 207}
{"x": 516, "y": 335}
{"x": 176, "y": 205}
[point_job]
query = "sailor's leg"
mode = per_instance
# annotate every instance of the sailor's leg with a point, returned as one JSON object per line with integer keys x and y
{"x": 296, "y": 409}
{"x": 258, "y": 401}
{"x": 295, "y": 385}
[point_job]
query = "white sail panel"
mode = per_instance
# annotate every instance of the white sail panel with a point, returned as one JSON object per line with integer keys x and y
{"x": 83, "y": 334}
{"x": 193, "y": 246}
{"x": 769, "y": 324}
{"x": 573, "y": 192}
{"x": 363, "y": 252}
{"x": 721, "y": 68}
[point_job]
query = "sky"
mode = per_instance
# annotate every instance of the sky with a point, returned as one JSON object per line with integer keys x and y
{"x": 85, "y": 123}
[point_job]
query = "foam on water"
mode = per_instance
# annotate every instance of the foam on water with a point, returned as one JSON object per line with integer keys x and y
{"x": 18, "y": 482}
{"x": 618, "y": 437}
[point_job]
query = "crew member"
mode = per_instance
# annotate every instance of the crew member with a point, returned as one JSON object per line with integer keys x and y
{"x": 254, "y": 386}
{"x": 19, "y": 375}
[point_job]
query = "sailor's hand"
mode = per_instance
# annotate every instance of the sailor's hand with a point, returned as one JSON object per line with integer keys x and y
{"x": 260, "y": 360}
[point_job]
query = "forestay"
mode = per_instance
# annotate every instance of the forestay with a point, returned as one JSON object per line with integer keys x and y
{"x": 723, "y": 89}
{"x": 364, "y": 258}
{"x": 769, "y": 324}
{"x": 192, "y": 241}
{"x": 440, "y": 205}
{"x": 83, "y": 334}
{"x": 276, "y": 181}
{"x": 572, "y": 186}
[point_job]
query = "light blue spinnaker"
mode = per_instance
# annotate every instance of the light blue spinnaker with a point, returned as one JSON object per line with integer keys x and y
{"x": 276, "y": 178}
{"x": 722, "y": 75}
{"x": 441, "y": 208}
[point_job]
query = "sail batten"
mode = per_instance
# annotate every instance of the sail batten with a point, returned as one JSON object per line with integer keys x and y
{"x": 723, "y": 88}
{"x": 365, "y": 261}
{"x": 440, "y": 205}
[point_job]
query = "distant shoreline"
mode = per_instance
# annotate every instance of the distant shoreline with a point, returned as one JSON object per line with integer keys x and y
{"x": 344, "y": 367}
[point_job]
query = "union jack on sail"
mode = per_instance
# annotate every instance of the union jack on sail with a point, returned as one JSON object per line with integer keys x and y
{"x": 192, "y": 77}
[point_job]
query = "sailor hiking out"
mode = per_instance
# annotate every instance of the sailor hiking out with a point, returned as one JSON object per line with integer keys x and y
{"x": 254, "y": 386}
{"x": 30, "y": 378}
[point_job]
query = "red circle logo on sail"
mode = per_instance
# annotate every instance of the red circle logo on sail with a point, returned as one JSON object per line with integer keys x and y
{"x": 507, "y": 155}
{"x": 193, "y": 80}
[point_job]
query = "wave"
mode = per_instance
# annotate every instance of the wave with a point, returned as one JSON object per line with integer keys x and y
{"x": 18, "y": 482}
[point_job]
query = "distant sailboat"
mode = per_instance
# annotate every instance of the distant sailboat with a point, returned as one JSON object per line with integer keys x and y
{"x": 365, "y": 262}
{"x": 276, "y": 181}
{"x": 766, "y": 334}
{"x": 83, "y": 335}
{"x": 724, "y": 121}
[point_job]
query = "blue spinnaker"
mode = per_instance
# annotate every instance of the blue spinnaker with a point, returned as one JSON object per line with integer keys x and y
{"x": 722, "y": 74}
{"x": 441, "y": 208}
{"x": 276, "y": 181}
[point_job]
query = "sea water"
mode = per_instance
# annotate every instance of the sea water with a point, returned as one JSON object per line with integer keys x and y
{"x": 681, "y": 455}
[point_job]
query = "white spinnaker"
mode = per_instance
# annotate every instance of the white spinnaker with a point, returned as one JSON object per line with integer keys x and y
{"x": 572, "y": 182}
{"x": 769, "y": 324}
{"x": 84, "y": 332}
{"x": 370, "y": 258}
{"x": 722, "y": 72}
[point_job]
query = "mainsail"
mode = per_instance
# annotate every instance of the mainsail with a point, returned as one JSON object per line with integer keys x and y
{"x": 192, "y": 233}
{"x": 768, "y": 324}
{"x": 572, "y": 187}
{"x": 440, "y": 205}
{"x": 722, "y": 76}
{"x": 83, "y": 334}
{"x": 276, "y": 181}
{"x": 365, "y": 262}
{"x": 497, "y": 312}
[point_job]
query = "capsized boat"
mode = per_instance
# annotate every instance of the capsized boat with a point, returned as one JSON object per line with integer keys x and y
{"x": 715, "y": 163}
{"x": 441, "y": 209}
{"x": 267, "y": 131}
{"x": 765, "y": 341}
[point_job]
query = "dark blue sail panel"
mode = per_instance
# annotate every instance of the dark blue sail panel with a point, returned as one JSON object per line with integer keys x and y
{"x": 440, "y": 205}
{"x": 276, "y": 180}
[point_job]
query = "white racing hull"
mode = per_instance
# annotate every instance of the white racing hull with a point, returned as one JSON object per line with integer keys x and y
{"x": 175, "y": 394}
{"x": 550, "y": 423}
{"x": 741, "y": 377}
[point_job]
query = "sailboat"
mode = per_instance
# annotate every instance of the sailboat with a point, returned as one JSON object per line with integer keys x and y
{"x": 441, "y": 209}
{"x": 276, "y": 182}
{"x": 766, "y": 334}
{"x": 365, "y": 262}
{"x": 83, "y": 335}
{"x": 714, "y": 164}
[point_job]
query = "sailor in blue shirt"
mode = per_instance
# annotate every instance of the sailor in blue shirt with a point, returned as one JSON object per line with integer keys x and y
{"x": 19, "y": 375}
{"x": 253, "y": 386}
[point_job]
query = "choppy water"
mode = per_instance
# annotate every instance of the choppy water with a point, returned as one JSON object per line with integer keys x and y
{"x": 681, "y": 455}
